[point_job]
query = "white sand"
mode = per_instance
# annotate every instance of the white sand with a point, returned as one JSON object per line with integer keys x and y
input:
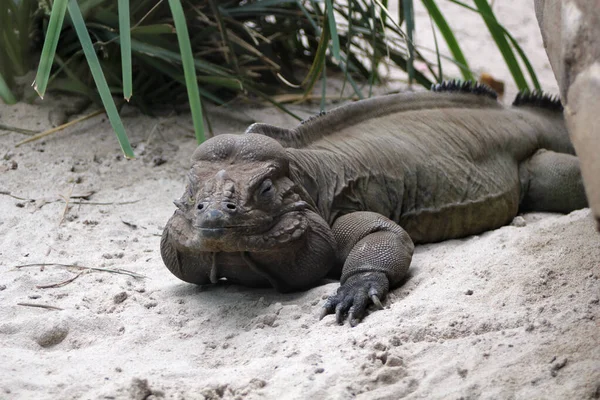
{"x": 528, "y": 330}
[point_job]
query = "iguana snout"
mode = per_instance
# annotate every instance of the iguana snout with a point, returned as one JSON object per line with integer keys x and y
{"x": 239, "y": 196}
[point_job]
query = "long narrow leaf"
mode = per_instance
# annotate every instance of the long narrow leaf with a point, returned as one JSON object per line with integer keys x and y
{"x": 57, "y": 16}
{"x": 5, "y": 92}
{"x": 318, "y": 63}
{"x": 502, "y": 43}
{"x": 521, "y": 53}
{"x": 512, "y": 40}
{"x": 323, "y": 90}
{"x": 125, "y": 41}
{"x": 187, "y": 59}
{"x": 440, "y": 76}
{"x": 450, "y": 39}
{"x": 99, "y": 79}
{"x": 335, "y": 40}
{"x": 229, "y": 54}
{"x": 409, "y": 15}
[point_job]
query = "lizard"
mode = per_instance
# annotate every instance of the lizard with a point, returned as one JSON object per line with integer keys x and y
{"x": 349, "y": 193}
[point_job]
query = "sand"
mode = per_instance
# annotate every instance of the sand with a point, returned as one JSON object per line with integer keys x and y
{"x": 509, "y": 314}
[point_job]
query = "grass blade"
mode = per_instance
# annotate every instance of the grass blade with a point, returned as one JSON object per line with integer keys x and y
{"x": 57, "y": 17}
{"x": 409, "y": 17}
{"x": 335, "y": 40}
{"x": 502, "y": 44}
{"x": 99, "y": 79}
{"x": 449, "y": 37}
{"x": 228, "y": 54}
{"x": 5, "y": 92}
{"x": 440, "y": 76}
{"x": 189, "y": 71}
{"x": 528, "y": 65}
{"x": 324, "y": 90}
{"x": 125, "y": 40}
{"x": 512, "y": 40}
{"x": 318, "y": 62}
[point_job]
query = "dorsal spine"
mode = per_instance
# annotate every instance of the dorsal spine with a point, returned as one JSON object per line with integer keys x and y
{"x": 456, "y": 86}
{"x": 539, "y": 99}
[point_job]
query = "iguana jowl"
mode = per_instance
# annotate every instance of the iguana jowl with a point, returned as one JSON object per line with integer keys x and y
{"x": 349, "y": 192}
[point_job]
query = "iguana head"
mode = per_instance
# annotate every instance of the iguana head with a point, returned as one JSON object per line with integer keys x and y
{"x": 239, "y": 196}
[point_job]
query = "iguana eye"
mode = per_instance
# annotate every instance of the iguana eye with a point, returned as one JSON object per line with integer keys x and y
{"x": 266, "y": 187}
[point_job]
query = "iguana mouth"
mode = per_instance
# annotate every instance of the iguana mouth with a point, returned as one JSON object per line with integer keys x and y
{"x": 223, "y": 230}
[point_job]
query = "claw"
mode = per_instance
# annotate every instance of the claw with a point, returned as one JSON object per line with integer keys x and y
{"x": 376, "y": 301}
{"x": 339, "y": 314}
{"x": 324, "y": 312}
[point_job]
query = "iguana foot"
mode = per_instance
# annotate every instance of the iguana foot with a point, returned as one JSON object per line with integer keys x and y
{"x": 354, "y": 296}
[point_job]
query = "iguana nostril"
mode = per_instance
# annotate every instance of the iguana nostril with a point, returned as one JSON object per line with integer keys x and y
{"x": 230, "y": 206}
{"x": 200, "y": 206}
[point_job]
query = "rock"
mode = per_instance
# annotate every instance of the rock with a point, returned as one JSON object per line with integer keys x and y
{"x": 120, "y": 297}
{"x": 52, "y": 336}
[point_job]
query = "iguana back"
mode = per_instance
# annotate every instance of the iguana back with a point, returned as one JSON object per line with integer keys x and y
{"x": 442, "y": 165}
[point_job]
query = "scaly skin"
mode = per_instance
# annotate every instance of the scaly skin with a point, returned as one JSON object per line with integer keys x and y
{"x": 349, "y": 192}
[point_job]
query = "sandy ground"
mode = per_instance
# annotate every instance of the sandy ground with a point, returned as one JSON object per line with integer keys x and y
{"x": 509, "y": 314}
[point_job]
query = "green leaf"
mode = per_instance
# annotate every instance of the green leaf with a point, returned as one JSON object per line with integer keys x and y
{"x": 323, "y": 90}
{"x": 440, "y": 76}
{"x": 157, "y": 29}
{"x": 498, "y": 34}
{"x": 125, "y": 41}
{"x": 5, "y": 92}
{"x": 335, "y": 40}
{"x": 189, "y": 70}
{"x": 450, "y": 39}
{"x": 490, "y": 17}
{"x": 318, "y": 62}
{"x": 409, "y": 15}
{"x": 99, "y": 79}
{"x": 57, "y": 17}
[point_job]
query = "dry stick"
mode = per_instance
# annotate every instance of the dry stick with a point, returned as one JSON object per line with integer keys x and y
{"x": 17, "y": 130}
{"x": 118, "y": 203}
{"x": 92, "y": 203}
{"x": 114, "y": 271}
{"x": 14, "y": 197}
{"x": 59, "y": 128}
{"x": 66, "y": 199}
{"x": 39, "y": 306}
{"x": 63, "y": 283}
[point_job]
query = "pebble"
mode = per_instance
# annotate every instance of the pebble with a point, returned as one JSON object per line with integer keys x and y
{"x": 52, "y": 336}
{"x": 393, "y": 361}
{"x": 519, "y": 222}
{"x": 120, "y": 297}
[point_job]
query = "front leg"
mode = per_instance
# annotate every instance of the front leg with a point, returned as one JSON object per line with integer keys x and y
{"x": 376, "y": 253}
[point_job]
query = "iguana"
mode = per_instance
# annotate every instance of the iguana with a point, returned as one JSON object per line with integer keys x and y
{"x": 347, "y": 193}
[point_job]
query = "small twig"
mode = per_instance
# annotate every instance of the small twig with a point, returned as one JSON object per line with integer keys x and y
{"x": 63, "y": 283}
{"x": 39, "y": 306}
{"x": 117, "y": 203}
{"x": 17, "y": 130}
{"x": 130, "y": 224}
{"x": 59, "y": 128}
{"x": 14, "y": 197}
{"x": 66, "y": 210}
{"x": 115, "y": 271}
{"x": 92, "y": 203}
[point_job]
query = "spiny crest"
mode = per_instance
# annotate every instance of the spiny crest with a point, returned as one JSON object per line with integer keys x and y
{"x": 313, "y": 117}
{"x": 539, "y": 99}
{"x": 465, "y": 87}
